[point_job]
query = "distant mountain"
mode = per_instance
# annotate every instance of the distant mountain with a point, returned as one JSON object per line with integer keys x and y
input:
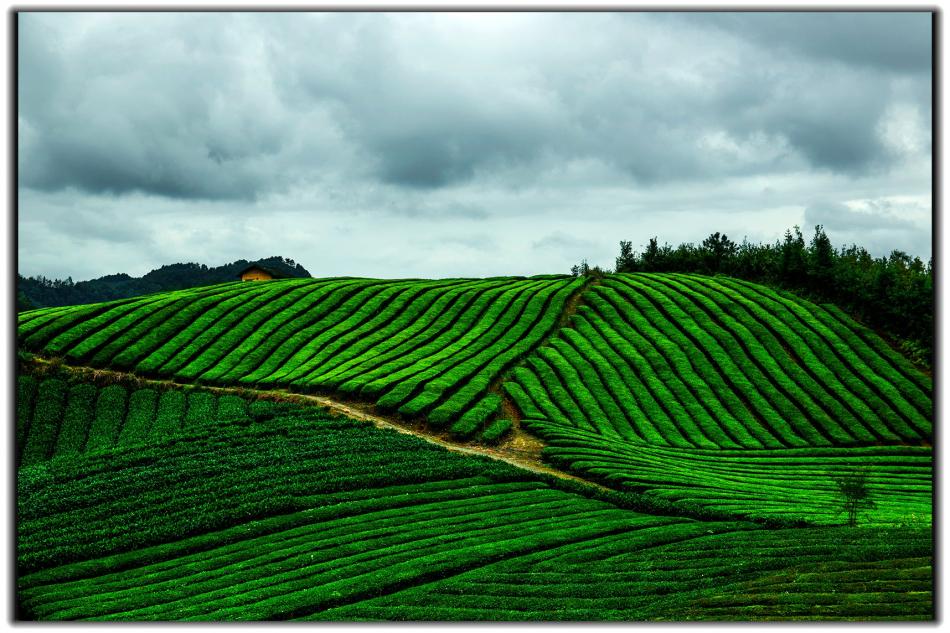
{"x": 40, "y": 292}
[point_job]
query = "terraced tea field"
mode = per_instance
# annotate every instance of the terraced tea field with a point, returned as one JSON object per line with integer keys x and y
{"x": 729, "y": 396}
{"x": 716, "y": 412}
{"x": 296, "y": 514}
{"x": 56, "y": 419}
{"x": 427, "y": 348}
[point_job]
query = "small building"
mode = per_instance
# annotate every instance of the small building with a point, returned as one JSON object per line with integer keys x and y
{"x": 255, "y": 272}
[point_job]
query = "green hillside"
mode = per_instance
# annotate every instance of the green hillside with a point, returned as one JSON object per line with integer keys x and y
{"x": 288, "y": 513}
{"x": 708, "y": 392}
{"x": 58, "y": 417}
{"x": 723, "y": 394}
{"x": 717, "y": 413}
{"x": 420, "y": 347}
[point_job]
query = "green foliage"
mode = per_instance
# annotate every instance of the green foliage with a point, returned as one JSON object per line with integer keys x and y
{"x": 263, "y": 408}
{"x": 856, "y": 493}
{"x": 230, "y": 407}
{"x": 44, "y": 428}
{"x": 277, "y": 333}
{"x": 25, "y": 398}
{"x": 672, "y": 364}
{"x": 138, "y": 423}
{"x": 661, "y": 373}
{"x": 586, "y": 270}
{"x": 475, "y": 417}
{"x": 486, "y": 407}
{"x": 40, "y": 291}
{"x": 319, "y": 517}
{"x": 110, "y": 414}
{"x": 424, "y": 348}
{"x": 496, "y": 430}
{"x": 22, "y": 302}
{"x": 894, "y": 293}
{"x": 201, "y": 409}
{"x": 71, "y": 419}
{"x": 464, "y": 429}
{"x": 77, "y": 420}
{"x": 171, "y": 412}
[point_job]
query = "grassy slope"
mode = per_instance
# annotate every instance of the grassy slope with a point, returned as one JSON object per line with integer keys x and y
{"x": 722, "y": 394}
{"x": 655, "y": 385}
{"x": 705, "y": 393}
{"x": 424, "y": 348}
{"x": 297, "y": 514}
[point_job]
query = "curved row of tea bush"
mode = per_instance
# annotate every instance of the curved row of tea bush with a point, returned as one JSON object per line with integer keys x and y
{"x": 277, "y": 518}
{"x": 316, "y": 516}
{"x": 807, "y": 574}
{"x": 656, "y": 369}
{"x": 427, "y": 348}
{"x": 754, "y": 484}
{"x": 57, "y": 417}
{"x": 686, "y": 361}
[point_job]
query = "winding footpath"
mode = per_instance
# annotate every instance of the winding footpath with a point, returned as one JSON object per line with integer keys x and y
{"x": 520, "y": 449}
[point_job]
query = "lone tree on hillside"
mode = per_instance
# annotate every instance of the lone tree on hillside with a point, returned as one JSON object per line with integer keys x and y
{"x": 853, "y": 486}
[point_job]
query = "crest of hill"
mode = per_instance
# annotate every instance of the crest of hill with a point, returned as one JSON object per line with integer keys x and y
{"x": 39, "y": 292}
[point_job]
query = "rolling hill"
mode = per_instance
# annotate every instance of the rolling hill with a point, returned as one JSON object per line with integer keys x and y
{"x": 428, "y": 348}
{"x": 731, "y": 396}
{"x": 716, "y": 411}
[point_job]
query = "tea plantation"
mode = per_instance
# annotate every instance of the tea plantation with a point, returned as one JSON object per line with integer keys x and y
{"x": 290, "y": 513}
{"x": 417, "y": 347}
{"x": 726, "y": 395}
{"x": 717, "y": 413}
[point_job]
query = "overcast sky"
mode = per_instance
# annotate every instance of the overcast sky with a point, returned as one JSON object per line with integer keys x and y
{"x": 432, "y": 145}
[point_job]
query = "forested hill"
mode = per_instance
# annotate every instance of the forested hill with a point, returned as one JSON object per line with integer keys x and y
{"x": 40, "y": 292}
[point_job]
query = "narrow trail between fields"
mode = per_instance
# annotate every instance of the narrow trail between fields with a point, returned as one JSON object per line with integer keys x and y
{"x": 520, "y": 449}
{"x": 520, "y": 441}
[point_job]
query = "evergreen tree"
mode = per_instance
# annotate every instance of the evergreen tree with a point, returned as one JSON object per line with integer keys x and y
{"x": 792, "y": 268}
{"x": 717, "y": 252}
{"x": 626, "y": 262}
{"x": 821, "y": 261}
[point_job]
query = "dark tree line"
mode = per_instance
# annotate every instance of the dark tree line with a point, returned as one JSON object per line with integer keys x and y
{"x": 40, "y": 292}
{"x": 893, "y": 294}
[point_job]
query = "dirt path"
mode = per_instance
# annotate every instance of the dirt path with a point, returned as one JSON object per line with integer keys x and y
{"x": 520, "y": 449}
{"x": 520, "y": 442}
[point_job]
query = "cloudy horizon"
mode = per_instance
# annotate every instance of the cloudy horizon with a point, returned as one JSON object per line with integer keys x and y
{"x": 456, "y": 144}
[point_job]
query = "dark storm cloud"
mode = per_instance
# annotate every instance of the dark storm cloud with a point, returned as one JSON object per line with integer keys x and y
{"x": 238, "y": 106}
{"x": 175, "y": 106}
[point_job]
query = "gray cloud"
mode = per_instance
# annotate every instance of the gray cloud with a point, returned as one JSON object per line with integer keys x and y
{"x": 412, "y": 207}
{"x": 562, "y": 241}
{"x": 175, "y": 106}
{"x": 892, "y": 41}
{"x": 880, "y": 227}
{"x": 835, "y": 215}
{"x": 602, "y": 124}
{"x": 474, "y": 242}
{"x": 225, "y": 106}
